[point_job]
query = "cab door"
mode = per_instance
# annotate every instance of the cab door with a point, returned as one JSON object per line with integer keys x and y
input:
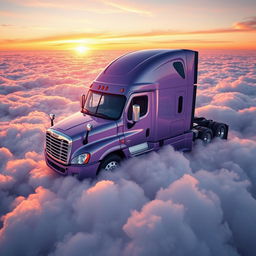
{"x": 138, "y": 134}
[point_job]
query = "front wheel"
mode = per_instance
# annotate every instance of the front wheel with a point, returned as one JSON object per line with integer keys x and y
{"x": 110, "y": 163}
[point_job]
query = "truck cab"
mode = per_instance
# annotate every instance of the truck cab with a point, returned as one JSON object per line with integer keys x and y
{"x": 139, "y": 103}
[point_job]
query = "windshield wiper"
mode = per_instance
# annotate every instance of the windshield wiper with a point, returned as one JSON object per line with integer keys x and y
{"x": 86, "y": 111}
{"x": 103, "y": 116}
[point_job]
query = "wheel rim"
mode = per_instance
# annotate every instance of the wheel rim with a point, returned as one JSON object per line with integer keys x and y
{"x": 221, "y": 132}
{"x": 111, "y": 166}
{"x": 207, "y": 138}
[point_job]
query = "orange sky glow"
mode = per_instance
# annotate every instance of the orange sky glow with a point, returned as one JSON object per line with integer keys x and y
{"x": 101, "y": 24}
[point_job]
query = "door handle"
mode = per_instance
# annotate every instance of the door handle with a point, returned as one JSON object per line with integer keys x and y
{"x": 147, "y": 132}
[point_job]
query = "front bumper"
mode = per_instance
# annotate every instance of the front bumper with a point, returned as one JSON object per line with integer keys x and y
{"x": 82, "y": 171}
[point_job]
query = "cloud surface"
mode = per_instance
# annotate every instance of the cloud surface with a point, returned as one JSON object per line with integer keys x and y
{"x": 166, "y": 203}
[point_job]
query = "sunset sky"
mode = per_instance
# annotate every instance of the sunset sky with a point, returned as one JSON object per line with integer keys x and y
{"x": 164, "y": 203}
{"x": 101, "y": 24}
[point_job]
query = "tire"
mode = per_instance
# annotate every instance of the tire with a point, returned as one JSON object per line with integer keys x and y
{"x": 110, "y": 163}
{"x": 220, "y": 131}
{"x": 205, "y": 134}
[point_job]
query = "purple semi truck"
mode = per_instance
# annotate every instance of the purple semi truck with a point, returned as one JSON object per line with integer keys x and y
{"x": 141, "y": 101}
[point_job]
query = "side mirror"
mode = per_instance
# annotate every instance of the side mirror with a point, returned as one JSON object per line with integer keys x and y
{"x": 89, "y": 127}
{"x": 135, "y": 113}
{"x": 82, "y": 102}
{"x": 52, "y": 117}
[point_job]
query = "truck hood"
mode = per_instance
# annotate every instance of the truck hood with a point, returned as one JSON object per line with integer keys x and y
{"x": 75, "y": 125}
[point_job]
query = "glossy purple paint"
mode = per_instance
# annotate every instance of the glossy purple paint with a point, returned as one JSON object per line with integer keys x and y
{"x": 143, "y": 73}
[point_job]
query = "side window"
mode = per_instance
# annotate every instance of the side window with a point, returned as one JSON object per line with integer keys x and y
{"x": 142, "y": 101}
{"x": 180, "y": 104}
{"x": 179, "y": 68}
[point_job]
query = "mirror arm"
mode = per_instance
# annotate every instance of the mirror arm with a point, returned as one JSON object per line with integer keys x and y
{"x": 130, "y": 124}
{"x": 85, "y": 140}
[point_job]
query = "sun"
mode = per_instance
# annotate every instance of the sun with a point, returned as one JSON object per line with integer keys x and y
{"x": 81, "y": 49}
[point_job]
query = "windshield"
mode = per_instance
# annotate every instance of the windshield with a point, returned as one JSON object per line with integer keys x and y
{"x": 104, "y": 105}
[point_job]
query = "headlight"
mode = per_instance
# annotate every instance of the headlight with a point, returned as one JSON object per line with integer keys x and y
{"x": 81, "y": 159}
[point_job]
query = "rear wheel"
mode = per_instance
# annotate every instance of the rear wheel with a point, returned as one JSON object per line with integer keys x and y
{"x": 110, "y": 163}
{"x": 205, "y": 135}
{"x": 220, "y": 131}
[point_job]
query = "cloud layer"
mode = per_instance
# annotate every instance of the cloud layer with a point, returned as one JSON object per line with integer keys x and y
{"x": 166, "y": 203}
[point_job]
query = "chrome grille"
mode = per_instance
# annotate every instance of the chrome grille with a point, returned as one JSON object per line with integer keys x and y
{"x": 58, "y": 145}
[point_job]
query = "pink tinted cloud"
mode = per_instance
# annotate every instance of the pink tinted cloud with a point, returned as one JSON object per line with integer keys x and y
{"x": 248, "y": 24}
{"x": 202, "y": 202}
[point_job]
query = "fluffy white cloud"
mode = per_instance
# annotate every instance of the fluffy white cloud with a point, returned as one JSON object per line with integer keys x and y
{"x": 197, "y": 203}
